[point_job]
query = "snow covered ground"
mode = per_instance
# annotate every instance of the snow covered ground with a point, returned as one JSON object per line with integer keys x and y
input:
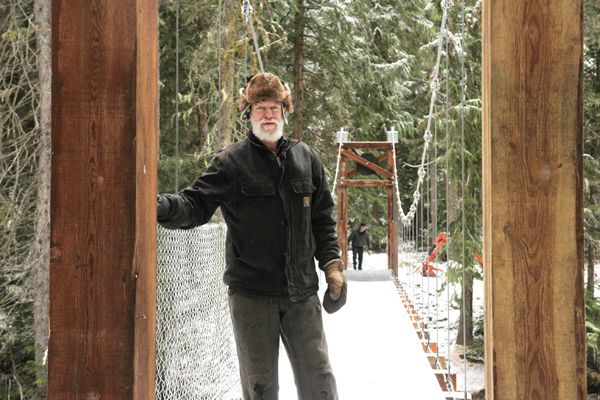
{"x": 374, "y": 351}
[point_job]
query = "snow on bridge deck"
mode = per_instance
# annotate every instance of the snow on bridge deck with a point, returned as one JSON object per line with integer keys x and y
{"x": 374, "y": 349}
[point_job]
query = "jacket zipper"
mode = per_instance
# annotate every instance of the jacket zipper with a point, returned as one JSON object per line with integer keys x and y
{"x": 281, "y": 196}
{"x": 288, "y": 226}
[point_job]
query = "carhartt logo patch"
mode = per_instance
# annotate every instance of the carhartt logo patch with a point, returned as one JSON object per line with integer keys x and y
{"x": 307, "y": 202}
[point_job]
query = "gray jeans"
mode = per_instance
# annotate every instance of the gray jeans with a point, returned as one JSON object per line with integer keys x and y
{"x": 257, "y": 325}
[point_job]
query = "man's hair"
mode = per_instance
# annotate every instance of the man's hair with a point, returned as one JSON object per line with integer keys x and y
{"x": 265, "y": 86}
{"x": 363, "y": 224}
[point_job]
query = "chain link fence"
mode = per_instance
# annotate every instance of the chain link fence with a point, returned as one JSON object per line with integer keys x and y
{"x": 195, "y": 348}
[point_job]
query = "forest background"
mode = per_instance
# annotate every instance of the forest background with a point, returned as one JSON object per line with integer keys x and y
{"x": 362, "y": 65}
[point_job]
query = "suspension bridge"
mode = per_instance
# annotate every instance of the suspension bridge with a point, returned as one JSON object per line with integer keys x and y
{"x": 380, "y": 344}
{"x": 103, "y": 281}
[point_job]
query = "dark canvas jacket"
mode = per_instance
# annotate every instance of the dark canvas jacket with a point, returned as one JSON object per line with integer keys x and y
{"x": 359, "y": 239}
{"x": 270, "y": 203}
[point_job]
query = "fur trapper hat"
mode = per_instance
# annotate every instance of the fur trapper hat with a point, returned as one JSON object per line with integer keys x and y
{"x": 265, "y": 86}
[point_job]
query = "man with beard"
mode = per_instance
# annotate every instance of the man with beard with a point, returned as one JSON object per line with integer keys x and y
{"x": 276, "y": 202}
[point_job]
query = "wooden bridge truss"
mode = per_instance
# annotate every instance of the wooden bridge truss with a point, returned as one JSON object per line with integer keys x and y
{"x": 344, "y": 182}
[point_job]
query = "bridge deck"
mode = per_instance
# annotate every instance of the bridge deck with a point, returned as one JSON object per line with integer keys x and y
{"x": 374, "y": 350}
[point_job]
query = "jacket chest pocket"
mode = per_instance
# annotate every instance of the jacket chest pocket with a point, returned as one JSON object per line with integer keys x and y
{"x": 258, "y": 199}
{"x": 302, "y": 198}
{"x": 303, "y": 190}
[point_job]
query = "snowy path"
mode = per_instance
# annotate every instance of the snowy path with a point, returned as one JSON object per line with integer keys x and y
{"x": 373, "y": 347}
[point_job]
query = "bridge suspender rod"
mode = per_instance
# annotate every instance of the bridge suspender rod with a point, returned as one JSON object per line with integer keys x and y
{"x": 260, "y": 63}
{"x": 462, "y": 116}
{"x": 247, "y": 9}
{"x": 449, "y": 384}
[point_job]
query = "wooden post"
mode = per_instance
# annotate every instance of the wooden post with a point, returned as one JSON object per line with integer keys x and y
{"x": 342, "y": 207}
{"x": 392, "y": 248}
{"x": 533, "y": 199}
{"x": 103, "y": 241}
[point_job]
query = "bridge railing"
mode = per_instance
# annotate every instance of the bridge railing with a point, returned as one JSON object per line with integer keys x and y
{"x": 195, "y": 348}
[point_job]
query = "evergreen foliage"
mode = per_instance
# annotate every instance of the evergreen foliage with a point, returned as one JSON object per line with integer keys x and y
{"x": 591, "y": 166}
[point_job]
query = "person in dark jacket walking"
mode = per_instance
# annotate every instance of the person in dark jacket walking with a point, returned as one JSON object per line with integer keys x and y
{"x": 359, "y": 237}
{"x": 275, "y": 199}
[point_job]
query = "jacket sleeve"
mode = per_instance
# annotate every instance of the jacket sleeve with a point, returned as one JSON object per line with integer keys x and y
{"x": 196, "y": 204}
{"x": 323, "y": 224}
{"x": 369, "y": 240}
{"x": 352, "y": 236}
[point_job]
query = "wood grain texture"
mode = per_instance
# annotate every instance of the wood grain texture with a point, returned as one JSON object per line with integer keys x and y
{"x": 144, "y": 262}
{"x": 103, "y": 207}
{"x": 342, "y": 209}
{"x": 533, "y": 199}
{"x": 392, "y": 236}
{"x": 367, "y": 183}
{"x": 368, "y": 145}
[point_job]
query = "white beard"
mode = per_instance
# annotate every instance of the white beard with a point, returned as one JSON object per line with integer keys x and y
{"x": 271, "y": 135}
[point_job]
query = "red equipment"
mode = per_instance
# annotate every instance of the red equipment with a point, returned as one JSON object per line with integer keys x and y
{"x": 478, "y": 259}
{"x": 428, "y": 268}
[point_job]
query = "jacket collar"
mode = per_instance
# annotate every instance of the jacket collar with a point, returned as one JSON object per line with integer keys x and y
{"x": 283, "y": 144}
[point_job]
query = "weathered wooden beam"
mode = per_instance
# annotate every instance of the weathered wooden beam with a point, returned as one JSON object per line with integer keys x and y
{"x": 355, "y": 170}
{"x": 353, "y": 173}
{"x": 342, "y": 209}
{"x": 366, "y": 183}
{"x": 103, "y": 256}
{"x": 533, "y": 199}
{"x": 144, "y": 261}
{"x": 382, "y": 157}
{"x": 392, "y": 234}
{"x": 370, "y": 165}
{"x": 368, "y": 145}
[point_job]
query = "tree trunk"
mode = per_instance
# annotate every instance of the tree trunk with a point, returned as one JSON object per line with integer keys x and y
{"x": 202, "y": 122}
{"x": 42, "y": 226}
{"x": 591, "y": 253}
{"x": 598, "y": 68}
{"x": 434, "y": 202}
{"x": 468, "y": 307}
{"x": 590, "y": 270}
{"x": 297, "y": 131}
{"x": 227, "y": 73}
{"x": 203, "y": 106}
{"x": 453, "y": 208}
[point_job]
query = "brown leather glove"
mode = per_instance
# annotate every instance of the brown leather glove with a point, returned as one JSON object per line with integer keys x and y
{"x": 337, "y": 288}
{"x": 335, "y": 278}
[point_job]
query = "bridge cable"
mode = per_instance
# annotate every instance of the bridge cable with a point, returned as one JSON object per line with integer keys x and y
{"x": 407, "y": 218}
